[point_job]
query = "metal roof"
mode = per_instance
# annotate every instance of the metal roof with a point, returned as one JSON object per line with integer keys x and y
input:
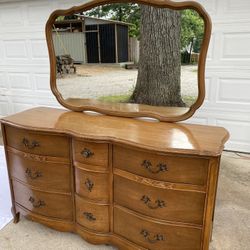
{"x": 93, "y": 18}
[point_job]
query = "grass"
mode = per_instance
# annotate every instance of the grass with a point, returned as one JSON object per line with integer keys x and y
{"x": 189, "y": 100}
{"x": 115, "y": 98}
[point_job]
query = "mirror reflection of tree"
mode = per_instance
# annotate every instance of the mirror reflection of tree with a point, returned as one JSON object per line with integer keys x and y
{"x": 167, "y": 40}
{"x": 159, "y": 69}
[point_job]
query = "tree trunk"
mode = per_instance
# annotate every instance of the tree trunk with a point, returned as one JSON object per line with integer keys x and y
{"x": 159, "y": 69}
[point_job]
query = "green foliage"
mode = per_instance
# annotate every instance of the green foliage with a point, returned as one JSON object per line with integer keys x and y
{"x": 124, "y": 12}
{"x": 72, "y": 17}
{"x": 192, "y": 29}
{"x": 189, "y": 100}
{"x": 60, "y": 18}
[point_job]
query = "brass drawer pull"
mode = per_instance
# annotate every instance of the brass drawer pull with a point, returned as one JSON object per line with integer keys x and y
{"x": 157, "y": 204}
{"x": 34, "y": 176}
{"x": 86, "y": 153}
{"x": 159, "y": 168}
{"x": 154, "y": 239}
{"x": 37, "y": 204}
{"x": 89, "y": 216}
{"x": 89, "y": 184}
{"x": 29, "y": 145}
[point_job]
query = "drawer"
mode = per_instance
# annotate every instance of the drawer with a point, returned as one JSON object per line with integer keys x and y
{"x": 161, "y": 167}
{"x": 37, "y": 142}
{"x": 92, "y": 185}
{"x": 155, "y": 235}
{"x": 92, "y": 215}
{"x": 50, "y": 176}
{"x": 90, "y": 153}
{"x": 161, "y": 203}
{"x": 43, "y": 203}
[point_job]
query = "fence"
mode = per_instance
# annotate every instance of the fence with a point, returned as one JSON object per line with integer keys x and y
{"x": 133, "y": 50}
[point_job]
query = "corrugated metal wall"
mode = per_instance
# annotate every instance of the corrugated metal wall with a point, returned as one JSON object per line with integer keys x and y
{"x": 92, "y": 44}
{"x": 122, "y": 43}
{"x": 83, "y": 47}
{"x": 72, "y": 44}
{"x": 107, "y": 43}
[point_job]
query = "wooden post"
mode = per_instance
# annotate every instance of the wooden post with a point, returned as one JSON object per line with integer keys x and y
{"x": 99, "y": 44}
{"x": 116, "y": 45}
{"x": 85, "y": 41}
{"x": 128, "y": 52}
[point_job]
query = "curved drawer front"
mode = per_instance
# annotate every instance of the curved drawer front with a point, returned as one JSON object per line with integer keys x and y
{"x": 161, "y": 167}
{"x": 92, "y": 185}
{"x": 90, "y": 153}
{"x": 37, "y": 142}
{"x": 92, "y": 215}
{"x": 155, "y": 235}
{"x": 166, "y": 204}
{"x": 43, "y": 203}
{"x": 49, "y": 176}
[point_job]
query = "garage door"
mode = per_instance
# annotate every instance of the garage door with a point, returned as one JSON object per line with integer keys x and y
{"x": 227, "y": 101}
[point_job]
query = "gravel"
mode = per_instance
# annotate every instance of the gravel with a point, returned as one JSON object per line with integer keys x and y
{"x": 94, "y": 81}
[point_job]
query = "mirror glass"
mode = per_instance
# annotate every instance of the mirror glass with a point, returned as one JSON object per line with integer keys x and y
{"x": 129, "y": 53}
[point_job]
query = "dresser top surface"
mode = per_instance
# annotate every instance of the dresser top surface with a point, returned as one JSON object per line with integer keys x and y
{"x": 158, "y": 136}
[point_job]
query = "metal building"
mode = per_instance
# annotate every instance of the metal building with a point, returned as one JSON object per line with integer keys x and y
{"x": 92, "y": 40}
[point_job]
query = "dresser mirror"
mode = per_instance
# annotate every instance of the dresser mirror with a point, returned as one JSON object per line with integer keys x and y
{"x": 130, "y": 58}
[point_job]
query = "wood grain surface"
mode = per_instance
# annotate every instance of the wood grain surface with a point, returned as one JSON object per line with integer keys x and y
{"x": 93, "y": 186}
{"x": 90, "y": 153}
{"x": 131, "y": 226}
{"x": 159, "y": 136}
{"x": 54, "y": 205}
{"x": 170, "y": 205}
{"x": 122, "y": 181}
{"x": 52, "y": 176}
{"x": 94, "y": 216}
{"x": 35, "y": 143}
{"x": 187, "y": 170}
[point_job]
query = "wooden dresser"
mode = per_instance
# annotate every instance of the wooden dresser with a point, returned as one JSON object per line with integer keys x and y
{"x": 120, "y": 181}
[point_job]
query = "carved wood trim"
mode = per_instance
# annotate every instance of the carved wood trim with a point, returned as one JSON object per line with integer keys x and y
{"x": 40, "y": 158}
{"x": 160, "y": 184}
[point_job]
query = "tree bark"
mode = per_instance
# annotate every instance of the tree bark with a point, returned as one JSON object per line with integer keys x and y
{"x": 159, "y": 69}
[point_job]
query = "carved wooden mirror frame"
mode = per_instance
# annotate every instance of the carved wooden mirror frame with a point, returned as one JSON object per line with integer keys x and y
{"x": 127, "y": 110}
